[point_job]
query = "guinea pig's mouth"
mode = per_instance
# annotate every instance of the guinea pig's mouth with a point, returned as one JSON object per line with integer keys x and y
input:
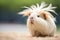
{"x": 31, "y": 21}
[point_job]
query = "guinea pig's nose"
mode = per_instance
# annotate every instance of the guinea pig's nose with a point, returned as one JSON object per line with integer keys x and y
{"x": 31, "y": 17}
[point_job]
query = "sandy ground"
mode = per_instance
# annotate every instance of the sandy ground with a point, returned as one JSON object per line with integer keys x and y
{"x": 20, "y": 32}
{"x": 19, "y": 36}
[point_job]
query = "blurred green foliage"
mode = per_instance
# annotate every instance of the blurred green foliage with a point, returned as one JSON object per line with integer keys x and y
{"x": 15, "y": 5}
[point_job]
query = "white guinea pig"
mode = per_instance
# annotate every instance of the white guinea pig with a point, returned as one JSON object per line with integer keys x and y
{"x": 40, "y": 21}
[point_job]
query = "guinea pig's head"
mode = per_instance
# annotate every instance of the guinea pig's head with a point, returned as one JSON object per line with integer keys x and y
{"x": 39, "y": 12}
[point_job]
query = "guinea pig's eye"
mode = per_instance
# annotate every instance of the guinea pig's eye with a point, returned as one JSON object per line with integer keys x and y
{"x": 38, "y": 16}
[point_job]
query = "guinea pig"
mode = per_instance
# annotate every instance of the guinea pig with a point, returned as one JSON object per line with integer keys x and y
{"x": 40, "y": 21}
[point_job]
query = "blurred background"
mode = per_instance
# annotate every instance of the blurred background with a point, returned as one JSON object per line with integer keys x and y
{"x": 11, "y": 21}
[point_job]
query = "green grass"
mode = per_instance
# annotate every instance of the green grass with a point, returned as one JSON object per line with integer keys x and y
{"x": 17, "y": 4}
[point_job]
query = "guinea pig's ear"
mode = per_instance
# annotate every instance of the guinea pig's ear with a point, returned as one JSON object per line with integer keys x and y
{"x": 44, "y": 14}
{"x": 25, "y": 13}
{"x": 48, "y": 15}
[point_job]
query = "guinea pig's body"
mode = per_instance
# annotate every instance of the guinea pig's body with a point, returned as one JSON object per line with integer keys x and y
{"x": 41, "y": 27}
{"x": 40, "y": 21}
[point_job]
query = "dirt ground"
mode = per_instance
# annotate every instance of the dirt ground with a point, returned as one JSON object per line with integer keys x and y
{"x": 25, "y": 36}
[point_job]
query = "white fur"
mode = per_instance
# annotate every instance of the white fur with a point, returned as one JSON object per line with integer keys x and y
{"x": 45, "y": 27}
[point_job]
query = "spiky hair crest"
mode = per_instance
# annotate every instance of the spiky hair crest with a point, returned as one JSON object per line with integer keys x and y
{"x": 43, "y": 6}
